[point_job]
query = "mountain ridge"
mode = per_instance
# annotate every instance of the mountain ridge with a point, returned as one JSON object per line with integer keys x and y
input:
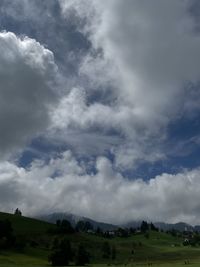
{"x": 73, "y": 219}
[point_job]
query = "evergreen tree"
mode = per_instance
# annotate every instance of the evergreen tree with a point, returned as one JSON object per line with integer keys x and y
{"x": 153, "y": 228}
{"x": 99, "y": 231}
{"x": 62, "y": 254}
{"x": 66, "y": 227}
{"x": 144, "y": 227}
{"x": 58, "y": 223}
{"x": 18, "y": 212}
{"x": 7, "y": 238}
{"x": 82, "y": 256}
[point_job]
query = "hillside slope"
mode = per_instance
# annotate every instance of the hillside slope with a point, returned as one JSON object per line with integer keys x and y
{"x": 25, "y": 225}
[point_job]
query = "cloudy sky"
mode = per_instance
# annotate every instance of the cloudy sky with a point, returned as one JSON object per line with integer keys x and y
{"x": 100, "y": 108}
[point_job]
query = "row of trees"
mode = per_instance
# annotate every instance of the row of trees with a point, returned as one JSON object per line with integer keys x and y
{"x": 62, "y": 254}
{"x": 81, "y": 226}
{"x": 147, "y": 226}
{"x": 65, "y": 227}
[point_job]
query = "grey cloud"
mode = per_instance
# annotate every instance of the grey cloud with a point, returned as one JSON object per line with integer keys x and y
{"x": 143, "y": 53}
{"x": 28, "y": 80}
{"x": 120, "y": 129}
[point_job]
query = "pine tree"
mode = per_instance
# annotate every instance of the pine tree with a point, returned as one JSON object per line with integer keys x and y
{"x": 82, "y": 256}
{"x": 62, "y": 254}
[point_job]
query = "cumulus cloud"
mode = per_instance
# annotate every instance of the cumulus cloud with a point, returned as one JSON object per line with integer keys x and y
{"x": 101, "y": 127}
{"x": 135, "y": 70}
{"x": 64, "y": 185}
{"x": 144, "y": 54}
{"x": 28, "y": 77}
{"x": 62, "y": 37}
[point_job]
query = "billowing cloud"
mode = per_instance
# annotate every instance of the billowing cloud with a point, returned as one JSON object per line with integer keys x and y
{"x": 126, "y": 71}
{"x": 144, "y": 59}
{"x": 62, "y": 37}
{"x": 28, "y": 77}
{"x": 64, "y": 185}
{"x": 75, "y": 115}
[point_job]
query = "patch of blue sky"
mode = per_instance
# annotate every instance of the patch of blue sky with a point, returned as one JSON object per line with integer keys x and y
{"x": 51, "y": 30}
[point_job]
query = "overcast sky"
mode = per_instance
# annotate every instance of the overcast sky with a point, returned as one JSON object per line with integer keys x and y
{"x": 100, "y": 108}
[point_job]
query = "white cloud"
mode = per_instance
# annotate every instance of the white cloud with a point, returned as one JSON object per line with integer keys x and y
{"x": 105, "y": 196}
{"x": 28, "y": 77}
{"x": 147, "y": 52}
{"x": 90, "y": 126}
{"x": 151, "y": 45}
{"x": 142, "y": 55}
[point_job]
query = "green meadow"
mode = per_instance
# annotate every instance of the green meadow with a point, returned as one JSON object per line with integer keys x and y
{"x": 156, "y": 249}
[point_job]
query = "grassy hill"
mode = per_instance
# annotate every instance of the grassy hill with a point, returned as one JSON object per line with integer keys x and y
{"x": 160, "y": 248}
{"x": 25, "y": 225}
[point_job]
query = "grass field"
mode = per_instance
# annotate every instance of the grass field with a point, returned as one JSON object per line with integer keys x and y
{"x": 159, "y": 249}
{"x": 35, "y": 264}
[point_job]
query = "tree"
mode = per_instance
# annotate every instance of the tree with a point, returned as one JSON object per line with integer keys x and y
{"x": 106, "y": 251}
{"x": 7, "y": 238}
{"x": 123, "y": 232}
{"x": 66, "y": 227}
{"x": 88, "y": 226}
{"x": 99, "y": 231}
{"x": 58, "y": 223}
{"x": 62, "y": 254}
{"x": 83, "y": 256}
{"x": 153, "y": 228}
{"x": 144, "y": 226}
{"x": 18, "y": 212}
{"x": 84, "y": 226}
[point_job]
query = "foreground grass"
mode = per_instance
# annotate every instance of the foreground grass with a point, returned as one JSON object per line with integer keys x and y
{"x": 9, "y": 259}
{"x": 181, "y": 264}
{"x": 178, "y": 264}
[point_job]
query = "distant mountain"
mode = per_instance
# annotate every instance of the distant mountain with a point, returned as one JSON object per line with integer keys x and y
{"x": 133, "y": 224}
{"x": 197, "y": 228}
{"x": 73, "y": 219}
{"x": 181, "y": 226}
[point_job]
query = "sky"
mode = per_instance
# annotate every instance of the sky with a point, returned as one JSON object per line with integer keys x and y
{"x": 100, "y": 108}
